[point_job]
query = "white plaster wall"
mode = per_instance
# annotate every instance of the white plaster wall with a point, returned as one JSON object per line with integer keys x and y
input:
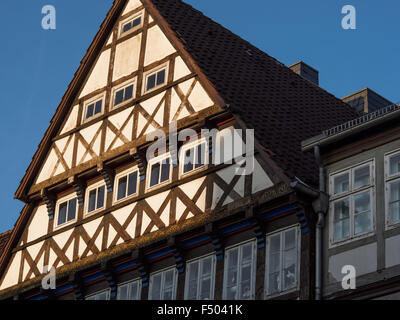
{"x": 38, "y": 226}
{"x": 181, "y": 69}
{"x": 71, "y": 121}
{"x": 157, "y": 47}
{"x": 12, "y": 275}
{"x": 98, "y": 77}
{"x": 48, "y": 167}
{"x": 127, "y": 57}
{"x": 132, "y": 5}
{"x": 199, "y": 98}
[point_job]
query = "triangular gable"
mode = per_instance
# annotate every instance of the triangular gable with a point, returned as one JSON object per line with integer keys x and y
{"x": 113, "y": 60}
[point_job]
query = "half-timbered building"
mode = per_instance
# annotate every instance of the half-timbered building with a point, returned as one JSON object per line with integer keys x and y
{"x": 116, "y": 224}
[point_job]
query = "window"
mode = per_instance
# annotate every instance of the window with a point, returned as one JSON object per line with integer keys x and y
{"x": 127, "y": 184}
{"x": 352, "y": 202}
{"x": 160, "y": 170}
{"x": 239, "y": 273}
{"x": 96, "y": 197}
{"x": 200, "y": 274}
{"x": 129, "y": 291}
{"x": 66, "y": 210}
{"x": 103, "y": 295}
{"x": 282, "y": 262}
{"x": 131, "y": 24}
{"x": 93, "y": 108}
{"x": 163, "y": 285}
{"x": 155, "y": 79}
{"x": 194, "y": 156}
{"x": 392, "y": 188}
{"x": 123, "y": 94}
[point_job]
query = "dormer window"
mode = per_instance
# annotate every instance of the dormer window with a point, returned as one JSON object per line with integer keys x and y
{"x": 131, "y": 24}
{"x": 155, "y": 79}
{"x": 94, "y": 108}
{"x": 159, "y": 170}
{"x": 123, "y": 94}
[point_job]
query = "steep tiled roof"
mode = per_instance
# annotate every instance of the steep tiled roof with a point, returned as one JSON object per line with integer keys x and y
{"x": 3, "y": 240}
{"x": 282, "y": 107}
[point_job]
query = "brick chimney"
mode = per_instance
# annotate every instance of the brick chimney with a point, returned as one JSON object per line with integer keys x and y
{"x": 305, "y": 71}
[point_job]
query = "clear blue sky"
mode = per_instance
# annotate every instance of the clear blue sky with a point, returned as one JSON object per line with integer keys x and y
{"x": 38, "y": 65}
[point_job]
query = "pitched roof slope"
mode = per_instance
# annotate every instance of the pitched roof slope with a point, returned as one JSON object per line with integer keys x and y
{"x": 282, "y": 107}
{"x": 3, "y": 240}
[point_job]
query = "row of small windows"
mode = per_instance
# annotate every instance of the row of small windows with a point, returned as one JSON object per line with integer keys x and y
{"x": 124, "y": 93}
{"x": 282, "y": 273}
{"x": 353, "y": 199}
{"x": 194, "y": 157}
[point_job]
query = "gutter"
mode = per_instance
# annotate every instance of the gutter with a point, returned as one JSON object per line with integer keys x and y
{"x": 320, "y": 206}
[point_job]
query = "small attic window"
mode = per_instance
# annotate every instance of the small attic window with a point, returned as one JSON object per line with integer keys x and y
{"x": 155, "y": 79}
{"x": 93, "y": 108}
{"x": 123, "y": 93}
{"x": 131, "y": 24}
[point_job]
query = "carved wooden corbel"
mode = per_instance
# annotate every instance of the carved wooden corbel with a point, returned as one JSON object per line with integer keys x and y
{"x": 142, "y": 266}
{"x": 179, "y": 253}
{"x": 79, "y": 187}
{"x": 50, "y": 200}
{"x": 110, "y": 277}
{"x": 141, "y": 162}
{"x": 216, "y": 240}
{"x": 258, "y": 226}
{"x": 108, "y": 176}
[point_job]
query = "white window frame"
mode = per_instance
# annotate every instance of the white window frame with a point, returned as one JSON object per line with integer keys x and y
{"x": 129, "y": 283}
{"x": 91, "y": 101}
{"x": 61, "y": 200}
{"x": 149, "y": 73}
{"x": 254, "y": 268}
{"x": 298, "y": 249}
{"x": 187, "y": 276}
{"x": 121, "y": 33}
{"x": 126, "y": 173}
{"x": 149, "y": 166}
{"x": 90, "y": 188}
{"x": 107, "y": 291}
{"x": 120, "y": 87}
{"x": 389, "y": 179}
{"x": 163, "y": 272}
{"x": 193, "y": 145}
{"x": 350, "y": 194}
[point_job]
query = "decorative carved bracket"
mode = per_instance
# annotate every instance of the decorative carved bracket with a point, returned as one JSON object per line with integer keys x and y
{"x": 110, "y": 277}
{"x": 143, "y": 268}
{"x": 79, "y": 187}
{"x": 108, "y": 176}
{"x": 179, "y": 253}
{"x": 141, "y": 162}
{"x": 216, "y": 240}
{"x": 76, "y": 282}
{"x": 50, "y": 201}
{"x": 258, "y": 226}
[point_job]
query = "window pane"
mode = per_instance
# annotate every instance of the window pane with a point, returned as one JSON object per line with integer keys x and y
{"x": 71, "y": 209}
{"x": 394, "y": 191}
{"x": 134, "y": 291}
{"x": 201, "y": 155}
{"x": 160, "y": 77}
{"x": 290, "y": 239}
{"x": 126, "y": 27}
{"x": 362, "y": 207}
{"x": 122, "y": 188}
{"x": 155, "y": 293}
{"x": 394, "y": 212}
{"x": 136, "y": 22}
{"x": 165, "y": 170}
{"x": 128, "y": 92}
{"x": 62, "y": 213}
{"x": 361, "y": 176}
{"x": 394, "y": 204}
{"x": 119, "y": 96}
{"x": 92, "y": 200}
{"x": 274, "y": 263}
{"x": 341, "y": 219}
{"x": 98, "y": 107}
{"x": 188, "y": 160}
{"x": 362, "y": 222}
{"x": 193, "y": 278}
{"x": 151, "y": 82}
{"x": 167, "y": 294}
{"x": 232, "y": 274}
{"x": 289, "y": 268}
{"x": 245, "y": 285}
{"x": 274, "y": 280}
{"x": 169, "y": 279}
{"x": 123, "y": 292}
{"x": 155, "y": 174}
{"x": 132, "y": 183}
{"x": 207, "y": 266}
{"x": 89, "y": 111}
{"x": 394, "y": 164}
{"x": 341, "y": 183}
{"x": 362, "y": 202}
{"x": 247, "y": 253}
{"x": 100, "y": 197}
{"x": 205, "y": 293}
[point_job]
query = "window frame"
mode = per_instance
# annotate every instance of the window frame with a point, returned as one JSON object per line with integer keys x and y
{"x": 163, "y": 272}
{"x": 213, "y": 274}
{"x": 91, "y": 101}
{"x": 93, "y": 186}
{"x": 120, "y": 87}
{"x": 350, "y": 194}
{"x": 107, "y": 291}
{"x": 130, "y": 282}
{"x": 126, "y": 173}
{"x": 390, "y": 179}
{"x": 153, "y": 161}
{"x": 298, "y": 262}
{"x": 122, "y": 33}
{"x": 254, "y": 268}
{"x": 155, "y": 70}
{"x": 193, "y": 145}
{"x": 61, "y": 200}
